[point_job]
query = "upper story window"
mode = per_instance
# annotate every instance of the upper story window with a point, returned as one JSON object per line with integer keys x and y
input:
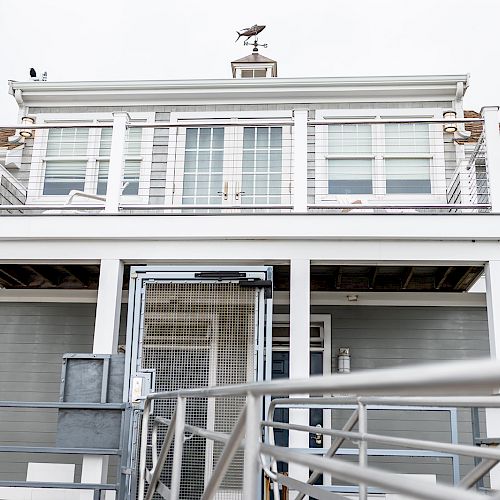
{"x": 401, "y": 160}
{"x": 69, "y": 159}
{"x": 350, "y": 159}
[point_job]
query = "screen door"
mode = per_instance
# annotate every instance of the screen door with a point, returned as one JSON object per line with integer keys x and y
{"x": 202, "y": 329}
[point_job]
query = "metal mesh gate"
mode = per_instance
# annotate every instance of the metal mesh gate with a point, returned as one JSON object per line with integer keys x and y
{"x": 200, "y": 334}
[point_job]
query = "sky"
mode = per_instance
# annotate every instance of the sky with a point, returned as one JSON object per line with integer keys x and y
{"x": 182, "y": 39}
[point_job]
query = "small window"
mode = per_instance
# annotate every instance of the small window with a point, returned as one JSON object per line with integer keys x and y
{"x": 253, "y": 73}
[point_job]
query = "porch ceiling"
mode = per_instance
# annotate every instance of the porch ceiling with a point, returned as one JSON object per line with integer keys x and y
{"x": 385, "y": 278}
{"x": 323, "y": 277}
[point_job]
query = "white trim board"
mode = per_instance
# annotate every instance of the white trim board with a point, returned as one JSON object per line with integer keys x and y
{"x": 407, "y": 299}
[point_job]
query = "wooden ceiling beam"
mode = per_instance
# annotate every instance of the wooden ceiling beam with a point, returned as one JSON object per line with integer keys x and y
{"x": 407, "y": 276}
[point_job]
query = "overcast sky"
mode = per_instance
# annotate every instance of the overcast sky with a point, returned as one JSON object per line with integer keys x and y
{"x": 175, "y": 39}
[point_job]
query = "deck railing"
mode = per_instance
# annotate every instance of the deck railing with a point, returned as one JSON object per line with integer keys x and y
{"x": 441, "y": 386}
{"x": 394, "y": 165}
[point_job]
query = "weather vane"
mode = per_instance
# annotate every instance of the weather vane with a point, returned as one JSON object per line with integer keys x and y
{"x": 252, "y": 32}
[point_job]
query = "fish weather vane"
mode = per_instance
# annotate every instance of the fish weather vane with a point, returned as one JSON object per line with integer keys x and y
{"x": 252, "y": 32}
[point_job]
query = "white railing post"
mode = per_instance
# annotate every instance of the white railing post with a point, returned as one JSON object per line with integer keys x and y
{"x": 180, "y": 422}
{"x": 299, "y": 353}
{"x": 492, "y": 271}
{"x": 363, "y": 446}
{"x": 252, "y": 447}
{"x": 299, "y": 160}
{"x": 116, "y": 161}
{"x": 492, "y": 137}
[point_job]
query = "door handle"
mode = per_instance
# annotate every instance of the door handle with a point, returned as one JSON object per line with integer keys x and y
{"x": 318, "y": 438}
{"x": 237, "y": 192}
{"x": 225, "y": 190}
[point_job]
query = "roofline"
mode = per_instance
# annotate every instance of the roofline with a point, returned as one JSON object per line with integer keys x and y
{"x": 139, "y": 91}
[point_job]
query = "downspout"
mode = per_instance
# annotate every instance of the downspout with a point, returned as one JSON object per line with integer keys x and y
{"x": 23, "y": 111}
{"x": 461, "y": 134}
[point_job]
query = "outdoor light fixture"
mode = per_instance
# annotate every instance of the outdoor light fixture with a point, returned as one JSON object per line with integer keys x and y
{"x": 344, "y": 360}
{"x": 450, "y": 127}
{"x": 27, "y": 121}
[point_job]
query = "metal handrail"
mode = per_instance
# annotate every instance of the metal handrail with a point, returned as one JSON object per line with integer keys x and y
{"x": 435, "y": 379}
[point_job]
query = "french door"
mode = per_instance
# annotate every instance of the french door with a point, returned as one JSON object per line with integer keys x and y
{"x": 235, "y": 165}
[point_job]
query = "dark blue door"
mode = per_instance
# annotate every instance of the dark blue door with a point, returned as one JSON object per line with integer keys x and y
{"x": 280, "y": 369}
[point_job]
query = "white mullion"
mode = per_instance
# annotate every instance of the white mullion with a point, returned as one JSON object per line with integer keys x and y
{"x": 92, "y": 169}
{"x": 378, "y": 168}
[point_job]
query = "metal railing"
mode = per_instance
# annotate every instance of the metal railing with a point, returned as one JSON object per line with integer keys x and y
{"x": 249, "y": 166}
{"x": 96, "y": 489}
{"x": 440, "y": 386}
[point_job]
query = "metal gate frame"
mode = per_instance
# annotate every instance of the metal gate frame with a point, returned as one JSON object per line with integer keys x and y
{"x": 140, "y": 382}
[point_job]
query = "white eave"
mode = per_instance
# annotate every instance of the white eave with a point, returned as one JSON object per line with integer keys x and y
{"x": 272, "y": 90}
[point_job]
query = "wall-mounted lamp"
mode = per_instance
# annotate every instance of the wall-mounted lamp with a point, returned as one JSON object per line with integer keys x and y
{"x": 26, "y": 132}
{"x": 352, "y": 297}
{"x": 344, "y": 360}
{"x": 450, "y": 127}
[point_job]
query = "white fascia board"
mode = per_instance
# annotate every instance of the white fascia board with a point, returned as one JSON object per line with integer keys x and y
{"x": 251, "y": 252}
{"x": 406, "y": 299}
{"x": 270, "y": 227}
{"x": 397, "y": 88}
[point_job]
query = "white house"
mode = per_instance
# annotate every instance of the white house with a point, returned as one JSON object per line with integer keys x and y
{"x": 199, "y": 229}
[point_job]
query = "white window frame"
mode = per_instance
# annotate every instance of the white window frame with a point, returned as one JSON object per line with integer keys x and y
{"x": 436, "y": 156}
{"x": 38, "y": 164}
{"x": 233, "y": 151}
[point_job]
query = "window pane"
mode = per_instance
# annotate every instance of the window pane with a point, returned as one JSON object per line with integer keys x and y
{"x": 407, "y": 138}
{"x": 218, "y": 138}
{"x": 131, "y": 177}
{"x": 205, "y": 138}
{"x": 350, "y": 138}
{"x": 105, "y": 143}
{"x": 248, "y": 138}
{"x": 67, "y": 142}
{"x": 407, "y": 175}
{"x": 191, "y": 138}
{"x": 346, "y": 176}
{"x": 61, "y": 177}
{"x": 262, "y": 137}
{"x": 276, "y": 133}
{"x": 134, "y": 137}
{"x": 102, "y": 177}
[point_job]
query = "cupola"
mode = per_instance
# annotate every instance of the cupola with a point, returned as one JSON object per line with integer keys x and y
{"x": 254, "y": 65}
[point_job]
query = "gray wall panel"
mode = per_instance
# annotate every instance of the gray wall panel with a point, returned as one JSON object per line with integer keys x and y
{"x": 33, "y": 338}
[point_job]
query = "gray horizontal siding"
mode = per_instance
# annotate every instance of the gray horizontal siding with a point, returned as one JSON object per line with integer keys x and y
{"x": 163, "y": 113}
{"x": 33, "y": 338}
{"x": 385, "y": 337}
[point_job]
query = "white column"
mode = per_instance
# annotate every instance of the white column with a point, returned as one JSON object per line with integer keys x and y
{"x": 299, "y": 160}
{"x": 106, "y": 329}
{"x": 493, "y": 306}
{"x": 109, "y": 299}
{"x": 299, "y": 351}
{"x": 116, "y": 161}
{"x": 492, "y": 136}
